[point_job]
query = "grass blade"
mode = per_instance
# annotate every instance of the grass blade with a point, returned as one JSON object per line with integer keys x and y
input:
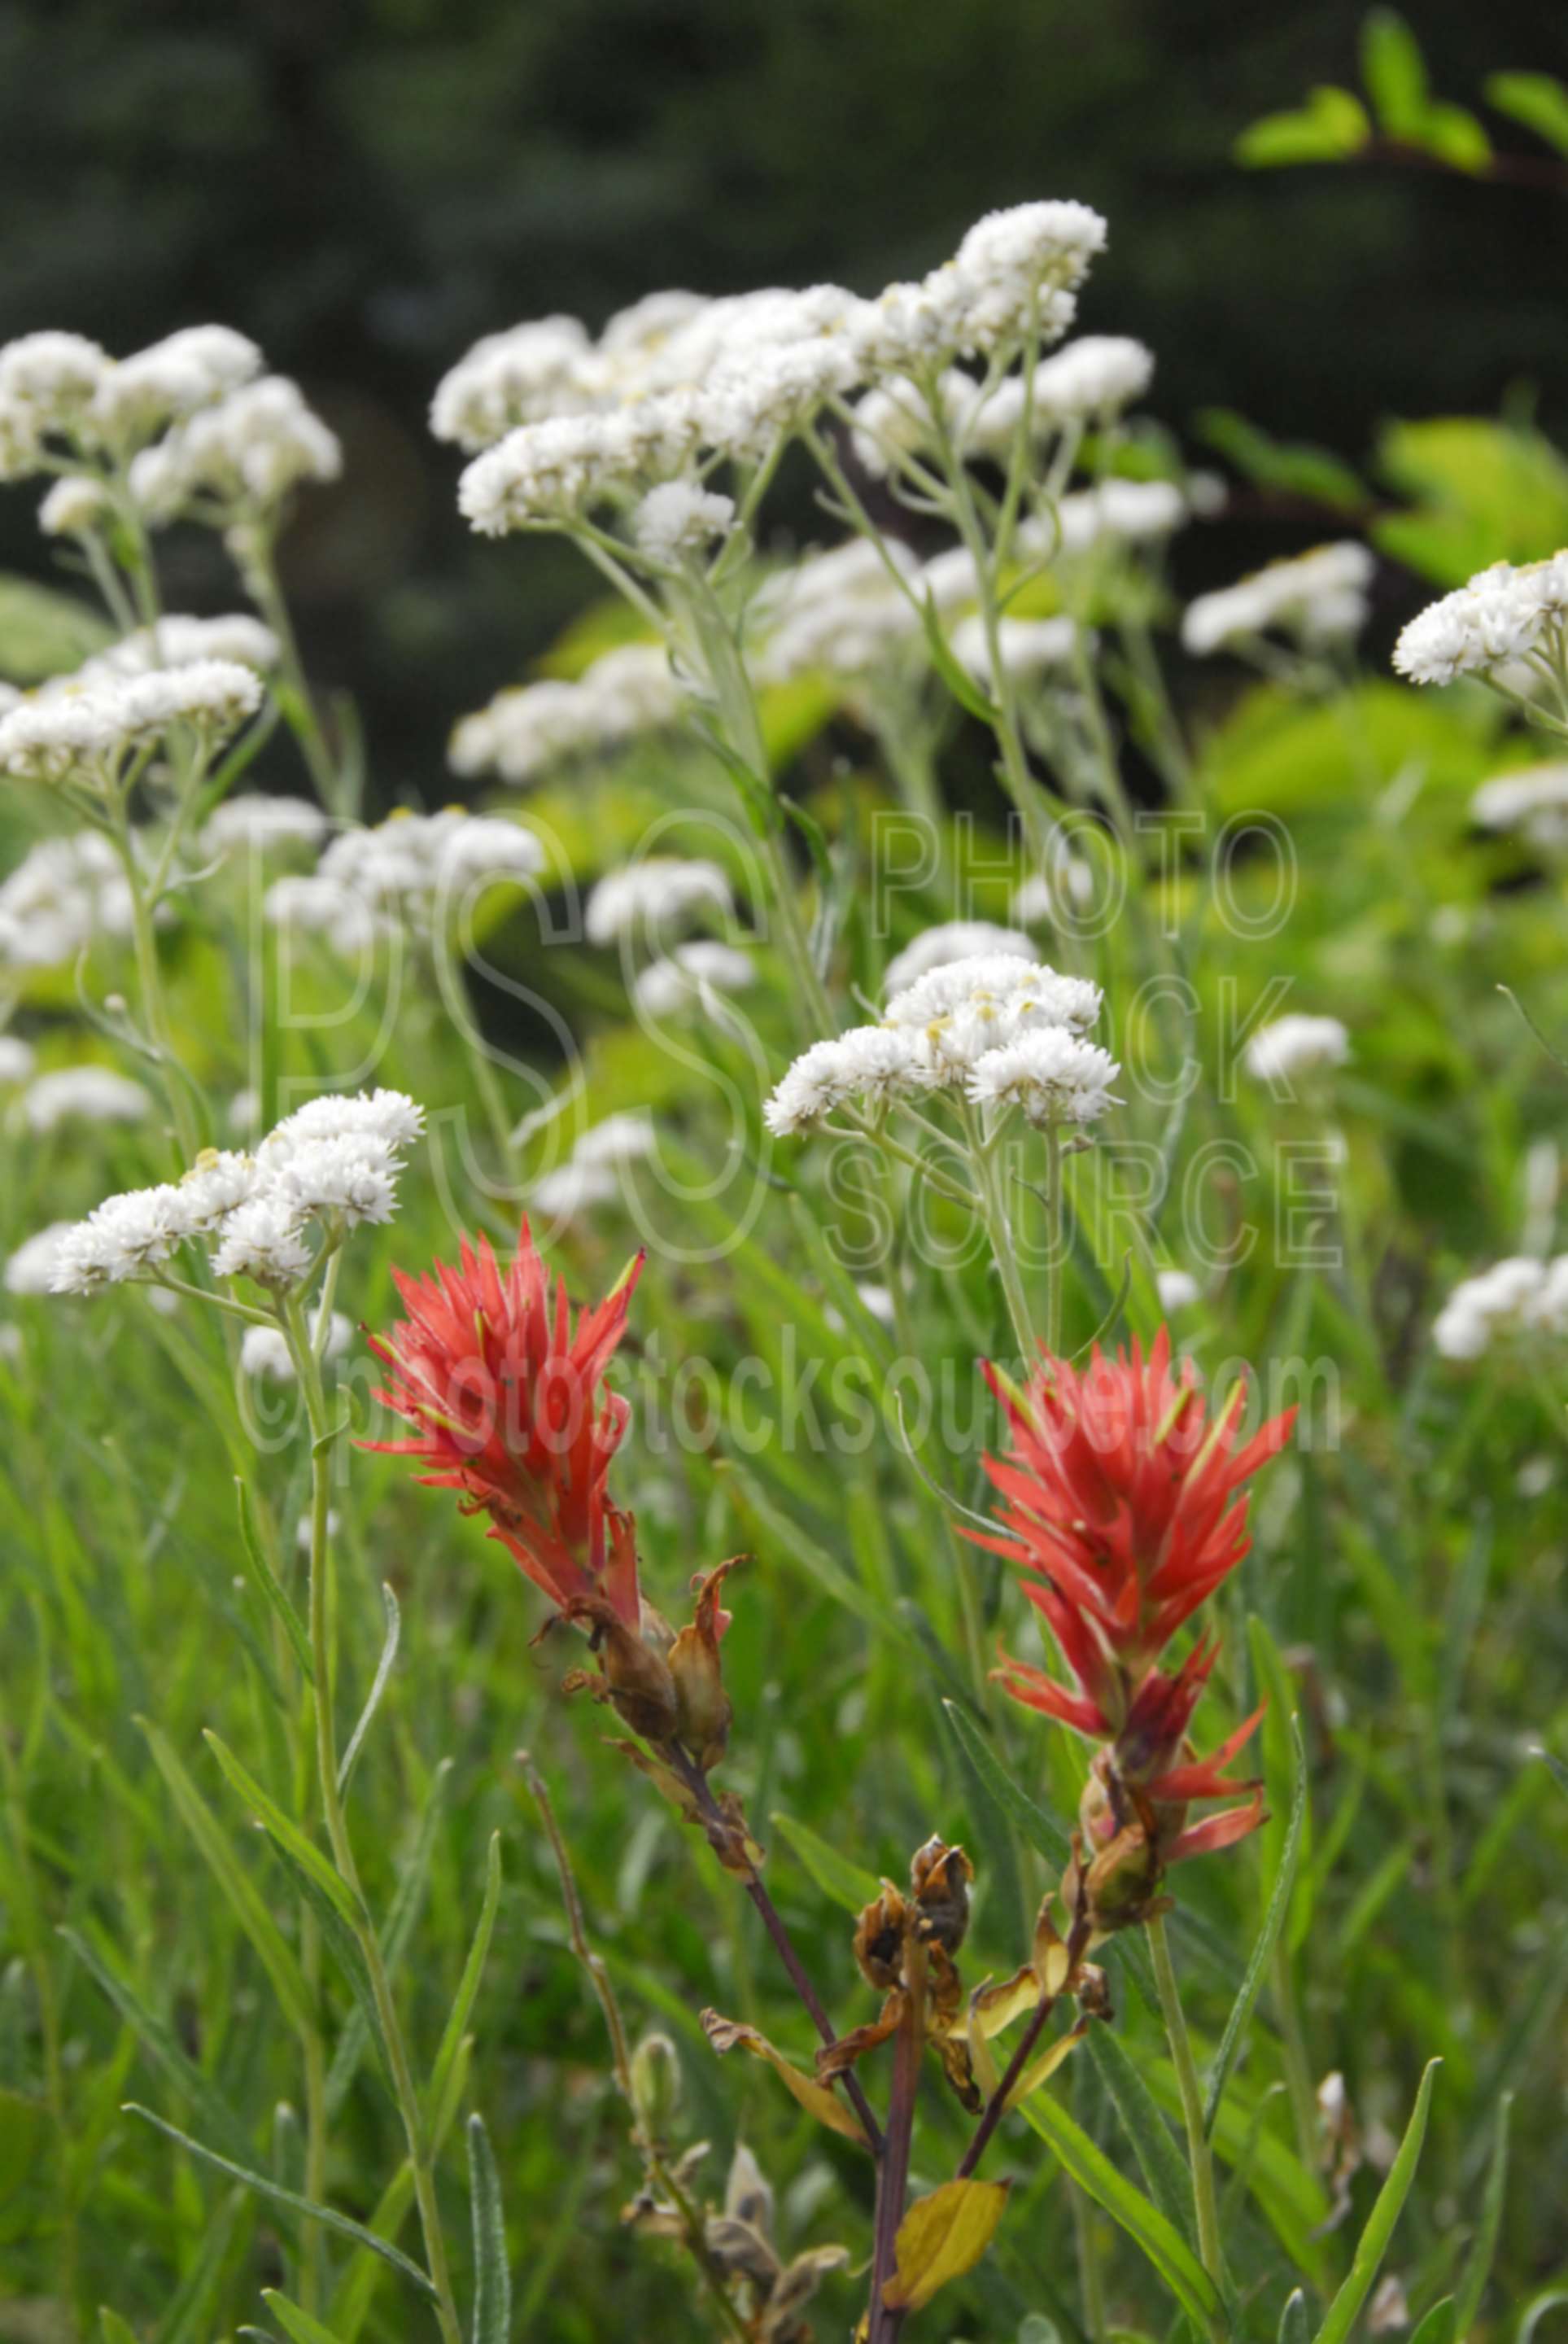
{"x": 270, "y": 1584}
{"x": 305, "y": 2207}
{"x": 1143, "y": 2222}
{"x": 1478, "y": 2269}
{"x": 302, "y": 1853}
{"x": 1372, "y": 2244}
{"x": 845, "y": 1884}
{"x": 378, "y": 1687}
{"x": 492, "y": 2278}
{"x": 1160, "y": 2160}
{"x": 1268, "y": 1938}
{"x": 468, "y": 1985}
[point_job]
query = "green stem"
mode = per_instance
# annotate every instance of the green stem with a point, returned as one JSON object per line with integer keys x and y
{"x": 1200, "y": 2157}
{"x": 1055, "y": 1219}
{"x": 322, "y": 1443}
{"x": 459, "y": 1010}
{"x": 150, "y": 980}
{"x": 303, "y": 720}
{"x": 989, "y": 1179}
{"x": 1298, "y": 2066}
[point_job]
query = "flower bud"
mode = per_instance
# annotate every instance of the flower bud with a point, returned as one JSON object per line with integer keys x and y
{"x": 703, "y": 1709}
{"x": 656, "y": 2085}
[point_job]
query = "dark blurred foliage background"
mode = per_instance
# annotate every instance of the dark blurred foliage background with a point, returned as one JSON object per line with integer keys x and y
{"x": 368, "y": 188}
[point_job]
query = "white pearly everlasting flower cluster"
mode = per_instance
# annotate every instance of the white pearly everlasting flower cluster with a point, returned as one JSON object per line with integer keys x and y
{"x": 240, "y": 458}
{"x": 998, "y": 1029}
{"x": 81, "y": 1095}
{"x": 1319, "y": 597}
{"x": 179, "y": 641}
{"x": 64, "y": 893}
{"x": 837, "y": 614}
{"x": 1533, "y": 802}
{"x": 1116, "y": 511}
{"x": 954, "y": 940}
{"x": 530, "y": 727}
{"x": 1296, "y": 1045}
{"x": 656, "y": 894}
{"x": 1093, "y": 378}
{"x": 81, "y": 728}
{"x": 1178, "y": 1289}
{"x": 29, "y": 1269}
{"x": 680, "y": 519}
{"x": 680, "y": 979}
{"x": 252, "y": 823}
{"x": 591, "y": 1173}
{"x": 269, "y": 1217}
{"x": 1502, "y": 614}
{"x": 413, "y": 869}
{"x": 1508, "y": 1303}
{"x": 16, "y": 1058}
{"x": 559, "y": 425}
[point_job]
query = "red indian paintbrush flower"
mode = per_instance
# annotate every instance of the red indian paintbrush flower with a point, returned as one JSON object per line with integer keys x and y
{"x": 1122, "y": 1508}
{"x": 511, "y": 1410}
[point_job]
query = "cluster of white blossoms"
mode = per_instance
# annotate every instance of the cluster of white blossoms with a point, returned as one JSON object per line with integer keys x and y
{"x": 656, "y": 894}
{"x": 81, "y": 730}
{"x": 1178, "y": 1289}
{"x": 683, "y": 978}
{"x": 591, "y": 1174}
{"x": 233, "y": 441}
{"x": 1296, "y": 1045}
{"x": 1508, "y": 1303}
{"x": 560, "y": 426}
{"x": 531, "y": 727}
{"x": 1097, "y": 377}
{"x": 255, "y": 824}
{"x": 1318, "y": 597}
{"x": 413, "y": 870}
{"x": 17, "y": 1059}
{"x": 953, "y": 940}
{"x": 842, "y": 612}
{"x": 1501, "y": 615}
{"x": 1533, "y": 802}
{"x": 81, "y": 1095}
{"x": 1027, "y": 648}
{"x": 269, "y": 1217}
{"x": 995, "y": 1029}
{"x": 64, "y": 893}
{"x": 177, "y": 640}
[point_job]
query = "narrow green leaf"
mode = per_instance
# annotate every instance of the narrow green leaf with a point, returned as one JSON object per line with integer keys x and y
{"x": 302, "y": 1851}
{"x": 378, "y": 1686}
{"x": 492, "y": 2278}
{"x": 1477, "y": 2270}
{"x": 1276, "y": 1736}
{"x": 1538, "y": 100}
{"x": 1160, "y": 2160}
{"x": 306, "y": 2208}
{"x": 847, "y": 1883}
{"x": 277, "y": 1960}
{"x": 1372, "y": 2244}
{"x": 1438, "y": 2327}
{"x": 1330, "y": 126}
{"x": 468, "y": 1985}
{"x": 295, "y": 2323}
{"x": 1295, "y": 2320}
{"x": 363, "y": 2023}
{"x": 1394, "y": 72}
{"x": 1143, "y": 2222}
{"x": 271, "y": 1586}
{"x": 186, "y": 2320}
{"x": 113, "y": 2328}
{"x": 157, "y": 2039}
{"x": 958, "y": 679}
{"x": 1268, "y": 1938}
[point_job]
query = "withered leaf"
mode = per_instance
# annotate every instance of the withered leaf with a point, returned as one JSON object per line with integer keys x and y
{"x": 942, "y": 2236}
{"x": 814, "y": 2097}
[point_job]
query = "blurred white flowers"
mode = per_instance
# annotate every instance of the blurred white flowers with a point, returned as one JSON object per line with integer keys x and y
{"x": 659, "y": 892}
{"x": 1318, "y": 597}
{"x": 1296, "y": 1045}
{"x": 1513, "y": 1300}
{"x": 83, "y": 1094}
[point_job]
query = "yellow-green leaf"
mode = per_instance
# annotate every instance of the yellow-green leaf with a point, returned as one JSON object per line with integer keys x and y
{"x": 942, "y": 2236}
{"x": 818, "y": 2099}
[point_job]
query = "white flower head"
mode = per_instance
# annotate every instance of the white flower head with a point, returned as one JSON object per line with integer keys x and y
{"x": 123, "y": 1238}
{"x": 177, "y": 640}
{"x": 256, "y": 824}
{"x": 265, "y": 1239}
{"x": 1178, "y": 1289}
{"x": 1514, "y": 1301}
{"x": 29, "y": 1269}
{"x": 63, "y": 894}
{"x": 567, "y": 1191}
{"x": 187, "y": 369}
{"x": 243, "y": 455}
{"x": 876, "y": 1064}
{"x": 1317, "y": 597}
{"x": 51, "y": 380}
{"x": 1296, "y": 1045}
{"x": 1029, "y": 648}
{"x": 83, "y": 1094}
{"x": 954, "y": 940}
{"x": 1054, "y": 1076}
{"x": 521, "y": 376}
{"x": 657, "y": 892}
{"x": 16, "y": 1058}
{"x": 1532, "y": 803}
{"x": 678, "y": 519}
{"x": 678, "y": 979}
{"x": 623, "y": 1138}
{"x": 1499, "y": 616}
{"x": 75, "y": 506}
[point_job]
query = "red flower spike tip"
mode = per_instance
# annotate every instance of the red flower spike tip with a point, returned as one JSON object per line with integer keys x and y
{"x": 510, "y": 1407}
{"x": 1122, "y": 1505}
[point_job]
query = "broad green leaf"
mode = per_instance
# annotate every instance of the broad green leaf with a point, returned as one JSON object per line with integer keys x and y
{"x": 1538, "y": 100}
{"x": 275, "y": 1956}
{"x": 306, "y": 2208}
{"x": 1478, "y": 2267}
{"x": 846, "y": 1882}
{"x": 302, "y": 1851}
{"x": 1454, "y": 136}
{"x": 942, "y": 2236}
{"x": 1484, "y": 491}
{"x": 468, "y": 1985}
{"x": 1160, "y": 2240}
{"x": 1160, "y": 2160}
{"x": 1332, "y": 125}
{"x": 1268, "y": 1938}
{"x": 1291, "y": 465}
{"x": 1372, "y": 2244}
{"x": 492, "y": 2277}
{"x": 378, "y": 1686}
{"x": 1394, "y": 72}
